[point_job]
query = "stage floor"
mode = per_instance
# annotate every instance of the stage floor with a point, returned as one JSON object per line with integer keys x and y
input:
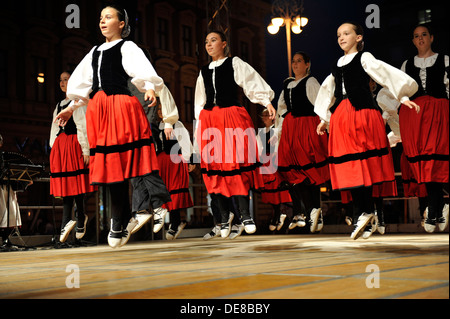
{"x": 249, "y": 267}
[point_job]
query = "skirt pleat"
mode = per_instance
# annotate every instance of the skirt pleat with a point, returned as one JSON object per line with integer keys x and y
{"x": 120, "y": 139}
{"x": 425, "y": 138}
{"x": 303, "y": 153}
{"x": 274, "y": 191}
{"x": 69, "y": 175}
{"x": 228, "y": 149}
{"x": 410, "y": 186}
{"x": 175, "y": 174}
{"x": 360, "y": 155}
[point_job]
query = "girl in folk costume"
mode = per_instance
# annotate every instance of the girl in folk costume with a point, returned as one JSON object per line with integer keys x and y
{"x": 118, "y": 130}
{"x": 359, "y": 152}
{"x": 384, "y": 100}
{"x": 411, "y": 188}
{"x": 174, "y": 149}
{"x": 425, "y": 135}
{"x": 225, "y": 133}
{"x": 273, "y": 192}
{"x": 69, "y": 161}
{"x": 303, "y": 155}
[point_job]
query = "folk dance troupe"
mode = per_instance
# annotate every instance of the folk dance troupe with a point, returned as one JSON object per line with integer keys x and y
{"x": 334, "y": 132}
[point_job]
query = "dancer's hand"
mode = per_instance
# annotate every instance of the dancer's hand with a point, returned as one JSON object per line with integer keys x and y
{"x": 150, "y": 95}
{"x": 321, "y": 128}
{"x": 63, "y": 116}
{"x": 412, "y": 105}
{"x": 272, "y": 111}
{"x": 168, "y": 132}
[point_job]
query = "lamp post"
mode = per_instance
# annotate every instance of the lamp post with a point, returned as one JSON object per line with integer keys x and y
{"x": 287, "y": 13}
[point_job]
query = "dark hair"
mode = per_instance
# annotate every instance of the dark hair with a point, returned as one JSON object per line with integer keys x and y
{"x": 359, "y": 31}
{"x": 120, "y": 10}
{"x": 223, "y": 37}
{"x": 306, "y": 58}
{"x": 426, "y": 26}
{"x": 122, "y": 16}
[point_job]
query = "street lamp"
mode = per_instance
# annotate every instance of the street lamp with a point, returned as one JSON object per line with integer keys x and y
{"x": 288, "y": 13}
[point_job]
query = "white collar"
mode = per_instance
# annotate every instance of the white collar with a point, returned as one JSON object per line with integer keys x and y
{"x": 215, "y": 64}
{"x": 108, "y": 45}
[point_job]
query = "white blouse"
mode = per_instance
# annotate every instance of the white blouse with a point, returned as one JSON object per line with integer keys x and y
{"x": 312, "y": 89}
{"x": 255, "y": 87}
{"x": 389, "y": 105}
{"x": 169, "y": 108}
{"x": 401, "y": 85}
{"x": 134, "y": 62}
{"x": 79, "y": 117}
{"x": 181, "y": 134}
{"x": 424, "y": 63}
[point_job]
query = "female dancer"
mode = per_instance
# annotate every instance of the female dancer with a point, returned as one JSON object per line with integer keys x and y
{"x": 425, "y": 135}
{"x": 225, "y": 134}
{"x": 303, "y": 155}
{"x": 174, "y": 149}
{"x": 118, "y": 131}
{"x": 69, "y": 160}
{"x": 359, "y": 152}
{"x": 273, "y": 193}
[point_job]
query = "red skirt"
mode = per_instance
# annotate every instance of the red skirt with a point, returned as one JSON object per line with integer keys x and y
{"x": 175, "y": 174}
{"x": 120, "y": 139}
{"x": 387, "y": 189}
{"x": 229, "y": 152}
{"x": 272, "y": 192}
{"x": 360, "y": 155}
{"x": 410, "y": 186}
{"x": 69, "y": 174}
{"x": 303, "y": 153}
{"x": 425, "y": 139}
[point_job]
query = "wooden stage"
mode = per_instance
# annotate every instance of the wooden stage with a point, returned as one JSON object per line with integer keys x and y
{"x": 321, "y": 266}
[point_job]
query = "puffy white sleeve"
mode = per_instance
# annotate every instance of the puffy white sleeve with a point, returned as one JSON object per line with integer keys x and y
{"x": 199, "y": 96}
{"x": 81, "y": 80}
{"x": 389, "y": 104}
{"x": 79, "y": 117}
{"x": 400, "y": 84}
{"x": 312, "y": 89}
{"x": 325, "y": 99}
{"x": 139, "y": 68}
{"x": 184, "y": 140}
{"x": 54, "y": 128}
{"x": 168, "y": 107}
{"x": 255, "y": 87}
{"x": 281, "y": 110}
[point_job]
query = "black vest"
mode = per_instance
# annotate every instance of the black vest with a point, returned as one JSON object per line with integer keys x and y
{"x": 435, "y": 86}
{"x": 297, "y": 101}
{"x": 226, "y": 92}
{"x": 113, "y": 76}
{"x": 71, "y": 127}
{"x": 356, "y": 85}
{"x": 161, "y": 143}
